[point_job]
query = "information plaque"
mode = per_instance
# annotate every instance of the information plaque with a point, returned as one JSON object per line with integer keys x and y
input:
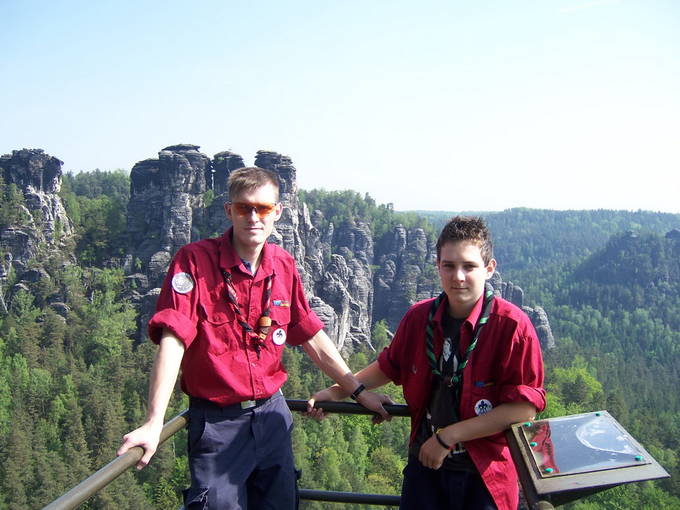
{"x": 566, "y": 458}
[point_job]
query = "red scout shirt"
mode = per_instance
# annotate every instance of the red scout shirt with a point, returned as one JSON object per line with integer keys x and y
{"x": 220, "y": 362}
{"x": 506, "y": 366}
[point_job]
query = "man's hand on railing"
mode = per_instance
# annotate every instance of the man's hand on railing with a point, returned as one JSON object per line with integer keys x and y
{"x": 370, "y": 400}
{"x": 147, "y": 436}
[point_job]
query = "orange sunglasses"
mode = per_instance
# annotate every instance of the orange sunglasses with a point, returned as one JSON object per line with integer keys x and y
{"x": 247, "y": 208}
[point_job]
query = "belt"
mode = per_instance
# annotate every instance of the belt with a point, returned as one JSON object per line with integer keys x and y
{"x": 245, "y": 404}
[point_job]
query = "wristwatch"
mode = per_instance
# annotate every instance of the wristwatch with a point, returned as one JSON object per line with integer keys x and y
{"x": 356, "y": 392}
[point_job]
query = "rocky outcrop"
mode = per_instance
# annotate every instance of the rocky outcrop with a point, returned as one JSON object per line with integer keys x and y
{"x": 351, "y": 279}
{"x": 515, "y": 294}
{"x": 40, "y": 226}
{"x": 38, "y": 176}
{"x": 288, "y": 232}
{"x": 334, "y": 265}
{"x": 223, "y": 164}
{"x": 350, "y": 282}
{"x": 405, "y": 274}
{"x": 167, "y": 203}
{"x": 540, "y": 321}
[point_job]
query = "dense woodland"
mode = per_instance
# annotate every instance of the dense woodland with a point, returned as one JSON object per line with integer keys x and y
{"x": 609, "y": 281}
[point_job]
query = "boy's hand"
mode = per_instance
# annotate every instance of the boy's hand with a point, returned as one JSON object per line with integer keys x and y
{"x": 330, "y": 394}
{"x": 371, "y": 401}
{"x": 374, "y": 402}
{"x": 432, "y": 454}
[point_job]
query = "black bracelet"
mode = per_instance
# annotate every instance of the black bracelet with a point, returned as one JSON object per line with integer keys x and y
{"x": 441, "y": 441}
{"x": 356, "y": 392}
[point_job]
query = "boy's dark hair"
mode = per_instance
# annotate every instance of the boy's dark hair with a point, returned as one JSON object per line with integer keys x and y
{"x": 467, "y": 228}
{"x": 249, "y": 178}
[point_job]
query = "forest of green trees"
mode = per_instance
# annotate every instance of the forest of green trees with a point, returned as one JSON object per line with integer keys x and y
{"x": 69, "y": 390}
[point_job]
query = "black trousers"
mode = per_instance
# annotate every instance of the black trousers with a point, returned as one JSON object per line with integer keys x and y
{"x": 241, "y": 459}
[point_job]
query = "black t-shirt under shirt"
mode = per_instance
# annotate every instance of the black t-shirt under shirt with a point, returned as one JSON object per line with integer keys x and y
{"x": 442, "y": 407}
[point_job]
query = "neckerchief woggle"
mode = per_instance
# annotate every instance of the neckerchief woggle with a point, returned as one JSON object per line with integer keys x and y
{"x": 429, "y": 335}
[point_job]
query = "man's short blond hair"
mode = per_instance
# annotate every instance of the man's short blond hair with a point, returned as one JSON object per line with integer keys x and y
{"x": 250, "y": 178}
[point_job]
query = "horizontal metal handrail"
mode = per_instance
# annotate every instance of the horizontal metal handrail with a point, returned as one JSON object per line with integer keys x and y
{"x": 107, "y": 474}
{"x": 347, "y": 407}
{"x": 350, "y": 497}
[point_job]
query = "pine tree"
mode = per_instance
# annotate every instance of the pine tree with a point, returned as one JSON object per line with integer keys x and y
{"x": 17, "y": 466}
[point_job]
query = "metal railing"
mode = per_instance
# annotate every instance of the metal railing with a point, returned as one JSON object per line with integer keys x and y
{"x": 104, "y": 476}
{"x": 107, "y": 474}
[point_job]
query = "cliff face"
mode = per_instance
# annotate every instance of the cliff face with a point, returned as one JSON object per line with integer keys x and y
{"x": 38, "y": 177}
{"x": 41, "y": 225}
{"x": 167, "y": 202}
{"x": 178, "y": 198}
{"x": 350, "y": 282}
{"x": 405, "y": 274}
{"x": 515, "y": 294}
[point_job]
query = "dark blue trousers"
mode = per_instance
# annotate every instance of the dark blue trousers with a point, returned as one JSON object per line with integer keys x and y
{"x": 436, "y": 489}
{"x": 241, "y": 459}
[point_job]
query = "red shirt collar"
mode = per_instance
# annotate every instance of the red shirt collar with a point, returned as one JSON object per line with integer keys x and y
{"x": 472, "y": 318}
{"x": 229, "y": 259}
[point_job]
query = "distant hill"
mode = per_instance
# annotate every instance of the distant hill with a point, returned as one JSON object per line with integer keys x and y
{"x": 524, "y": 237}
{"x": 633, "y": 271}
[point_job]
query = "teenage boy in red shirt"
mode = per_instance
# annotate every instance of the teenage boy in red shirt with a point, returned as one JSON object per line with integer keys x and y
{"x": 227, "y": 307}
{"x": 470, "y": 365}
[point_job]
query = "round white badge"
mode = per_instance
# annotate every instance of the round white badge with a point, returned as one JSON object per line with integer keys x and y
{"x": 279, "y": 336}
{"x": 483, "y": 406}
{"x": 182, "y": 283}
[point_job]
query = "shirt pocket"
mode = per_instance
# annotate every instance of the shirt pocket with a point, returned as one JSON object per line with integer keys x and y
{"x": 221, "y": 331}
{"x": 484, "y": 398}
{"x": 278, "y": 333}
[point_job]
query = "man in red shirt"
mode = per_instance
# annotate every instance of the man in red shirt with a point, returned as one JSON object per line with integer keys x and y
{"x": 470, "y": 365}
{"x": 226, "y": 309}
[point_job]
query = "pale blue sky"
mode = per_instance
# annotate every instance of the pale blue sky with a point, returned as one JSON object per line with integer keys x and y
{"x": 454, "y": 105}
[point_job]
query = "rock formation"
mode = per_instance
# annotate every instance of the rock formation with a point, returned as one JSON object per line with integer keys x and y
{"x": 335, "y": 265}
{"x": 42, "y": 226}
{"x": 515, "y": 294}
{"x": 405, "y": 273}
{"x": 38, "y": 177}
{"x": 167, "y": 201}
{"x": 351, "y": 280}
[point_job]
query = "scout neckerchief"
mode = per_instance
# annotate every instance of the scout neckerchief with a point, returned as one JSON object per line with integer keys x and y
{"x": 429, "y": 334}
{"x": 258, "y": 338}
